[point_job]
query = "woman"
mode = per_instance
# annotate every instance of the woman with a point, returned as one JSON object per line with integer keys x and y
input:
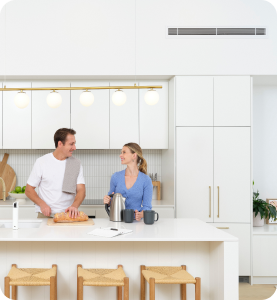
{"x": 133, "y": 183}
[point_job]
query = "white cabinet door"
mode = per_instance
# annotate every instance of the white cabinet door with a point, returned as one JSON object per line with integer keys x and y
{"x": 91, "y": 123}
{"x": 242, "y": 232}
{"x": 153, "y": 119}
{"x": 124, "y": 125}
{"x": 46, "y": 120}
{"x": 16, "y": 121}
{"x": 232, "y": 186}
{"x": 194, "y": 173}
{"x": 232, "y": 100}
{"x": 194, "y": 100}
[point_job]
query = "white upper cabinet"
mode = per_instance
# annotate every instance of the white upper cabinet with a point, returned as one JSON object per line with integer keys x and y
{"x": 91, "y": 123}
{"x": 46, "y": 120}
{"x": 124, "y": 124}
{"x": 194, "y": 173}
{"x": 232, "y": 101}
{"x": 16, "y": 121}
{"x": 232, "y": 181}
{"x": 194, "y": 101}
{"x": 153, "y": 119}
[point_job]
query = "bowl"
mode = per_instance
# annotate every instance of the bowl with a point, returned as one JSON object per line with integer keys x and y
{"x": 18, "y": 196}
{"x": 21, "y": 198}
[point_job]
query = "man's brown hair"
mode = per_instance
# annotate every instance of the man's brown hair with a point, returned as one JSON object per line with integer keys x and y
{"x": 61, "y": 135}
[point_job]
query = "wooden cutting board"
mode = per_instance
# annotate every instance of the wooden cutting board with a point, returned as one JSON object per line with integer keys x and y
{"x": 8, "y": 175}
{"x": 50, "y": 222}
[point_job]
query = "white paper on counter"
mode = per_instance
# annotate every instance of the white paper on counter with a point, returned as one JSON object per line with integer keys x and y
{"x": 107, "y": 232}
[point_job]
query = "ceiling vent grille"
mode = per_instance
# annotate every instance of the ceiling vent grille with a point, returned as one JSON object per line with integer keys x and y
{"x": 174, "y": 31}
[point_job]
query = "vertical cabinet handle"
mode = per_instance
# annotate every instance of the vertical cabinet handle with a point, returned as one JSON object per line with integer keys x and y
{"x": 218, "y": 202}
{"x": 210, "y": 202}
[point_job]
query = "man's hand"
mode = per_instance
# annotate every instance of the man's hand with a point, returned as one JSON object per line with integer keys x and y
{"x": 73, "y": 212}
{"x": 139, "y": 215}
{"x": 45, "y": 209}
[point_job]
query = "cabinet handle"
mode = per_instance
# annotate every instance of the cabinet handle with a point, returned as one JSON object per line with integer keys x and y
{"x": 222, "y": 227}
{"x": 218, "y": 201}
{"x": 210, "y": 202}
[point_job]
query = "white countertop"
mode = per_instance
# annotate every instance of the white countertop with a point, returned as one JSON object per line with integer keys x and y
{"x": 163, "y": 230}
{"x": 266, "y": 229}
{"x": 28, "y": 202}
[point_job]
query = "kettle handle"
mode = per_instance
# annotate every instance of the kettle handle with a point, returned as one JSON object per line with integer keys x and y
{"x": 107, "y": 209}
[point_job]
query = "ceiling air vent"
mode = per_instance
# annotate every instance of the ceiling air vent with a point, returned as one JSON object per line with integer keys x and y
{"x": 182, "y": 31}
{"x": 196, "y": 31}
{"x": 236, "y": 31}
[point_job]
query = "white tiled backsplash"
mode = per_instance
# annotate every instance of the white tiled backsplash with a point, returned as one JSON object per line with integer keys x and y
{"x": 98, "y": 166}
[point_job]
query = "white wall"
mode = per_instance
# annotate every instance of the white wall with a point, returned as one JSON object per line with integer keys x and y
{"x": 265, "y": 140}
{"x": 97, "y": 37}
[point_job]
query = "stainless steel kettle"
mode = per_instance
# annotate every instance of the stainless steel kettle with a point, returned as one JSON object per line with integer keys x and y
{"x": 116, "y": 209}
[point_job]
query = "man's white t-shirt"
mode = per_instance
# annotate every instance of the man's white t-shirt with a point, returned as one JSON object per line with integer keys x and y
{"x": 48, "y": 175}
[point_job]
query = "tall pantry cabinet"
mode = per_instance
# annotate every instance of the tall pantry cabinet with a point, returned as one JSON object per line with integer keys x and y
{"x": 213, "y": 170}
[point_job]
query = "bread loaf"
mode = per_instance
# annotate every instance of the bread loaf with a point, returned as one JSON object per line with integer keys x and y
{"x": 64, "y": 218}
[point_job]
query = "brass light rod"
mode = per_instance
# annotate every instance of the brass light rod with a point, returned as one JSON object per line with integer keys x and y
{"x": 82, "y": 88}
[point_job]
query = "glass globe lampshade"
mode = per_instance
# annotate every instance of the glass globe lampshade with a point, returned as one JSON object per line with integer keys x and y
{"x": 54, "y": 99}
{"x": 21, "y": 99}
{"x": 86, "y": 98}
{"x": 119, "y": 97}
{"x": 151, "y": 97}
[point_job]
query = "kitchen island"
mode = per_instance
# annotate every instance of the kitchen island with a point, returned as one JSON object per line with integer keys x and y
{"x": 207, "y": 252}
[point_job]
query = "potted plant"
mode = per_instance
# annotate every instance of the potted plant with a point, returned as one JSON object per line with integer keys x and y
{"x": 262, "y": 210}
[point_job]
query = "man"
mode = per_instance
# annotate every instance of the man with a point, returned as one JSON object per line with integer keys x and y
{"x": 49, "y": 174}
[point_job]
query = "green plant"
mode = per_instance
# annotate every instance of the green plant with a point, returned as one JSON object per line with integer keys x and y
{"x": 265, "y": 209}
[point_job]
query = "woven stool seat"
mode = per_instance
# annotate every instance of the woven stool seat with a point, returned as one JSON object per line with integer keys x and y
{"x": 168, "y": 275}
{"x": 31, "y": 277}
{"x": 102, "y": 277}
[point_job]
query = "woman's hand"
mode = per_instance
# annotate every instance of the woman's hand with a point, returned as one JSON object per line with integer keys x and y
{"x": 107, "y": 200}
{"x": 139, "y": 215}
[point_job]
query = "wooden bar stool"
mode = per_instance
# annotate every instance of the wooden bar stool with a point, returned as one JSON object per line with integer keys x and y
{"x": 167, "y": 275}
{"x": 102, "y": 277}
{"x": 31, "y": 277}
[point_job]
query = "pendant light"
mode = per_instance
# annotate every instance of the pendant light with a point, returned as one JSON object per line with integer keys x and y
{"x": 54, "y": 99}
{"x": 21, "y": 99}
{"x": 119, "y": 97}
{"x": 86, "y": 98}
{"x": 151, "y": 97}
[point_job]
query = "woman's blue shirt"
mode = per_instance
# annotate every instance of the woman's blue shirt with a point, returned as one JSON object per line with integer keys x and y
{"x": 139, "y": 196}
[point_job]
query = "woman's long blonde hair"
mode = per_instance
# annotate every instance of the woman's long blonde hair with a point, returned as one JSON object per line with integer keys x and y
{"x": 135, "y": 148}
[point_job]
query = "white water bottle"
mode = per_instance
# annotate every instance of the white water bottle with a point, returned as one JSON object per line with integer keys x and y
{"x": 15, "y": 215}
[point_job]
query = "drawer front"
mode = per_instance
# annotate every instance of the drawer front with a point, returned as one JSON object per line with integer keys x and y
{"x": 242, "y": 232}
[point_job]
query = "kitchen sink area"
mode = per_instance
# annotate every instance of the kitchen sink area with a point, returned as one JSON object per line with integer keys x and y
{"x": 21, "y": 224}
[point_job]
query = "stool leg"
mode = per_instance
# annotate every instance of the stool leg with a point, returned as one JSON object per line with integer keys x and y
{"x": 126, "y": 288}
{"x": 7, "y": 287}
{"x": 56, "y": 282}
{"x": 198, "y": 288}
{"x": 183, "y": 287}
{"x": 80, "y": 288}
{"x": 52, "y": 288}
{"x": 14, "y": 292}
{"x": 152, "y": 289}
{"x": 119, "y": 288}
{"x": 119, "y": 293}
{"x": 142, "y": 284}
